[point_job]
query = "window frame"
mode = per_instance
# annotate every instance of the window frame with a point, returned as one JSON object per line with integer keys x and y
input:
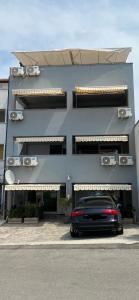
{"x": 4, "y": 119}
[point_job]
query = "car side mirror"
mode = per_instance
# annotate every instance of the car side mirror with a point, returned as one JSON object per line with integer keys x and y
{"x": 118, "y": 206}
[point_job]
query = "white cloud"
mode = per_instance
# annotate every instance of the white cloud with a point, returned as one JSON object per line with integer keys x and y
{"x": 52, "y": 24}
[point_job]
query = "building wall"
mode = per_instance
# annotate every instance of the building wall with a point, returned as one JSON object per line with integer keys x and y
{"x": 3, "y": 96}
{"x": 71, "y": 121}
{"x": 137, "y": 155}
{"x": 3, "y": 106}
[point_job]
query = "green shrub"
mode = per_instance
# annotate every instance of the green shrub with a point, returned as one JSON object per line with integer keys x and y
{"x": 65, "y": 202}
{"x": 31, "y": 210}
{"x": 17, "y": 212}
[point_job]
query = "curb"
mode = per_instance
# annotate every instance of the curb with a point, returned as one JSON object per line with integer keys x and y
{"x": 70, "y": 246}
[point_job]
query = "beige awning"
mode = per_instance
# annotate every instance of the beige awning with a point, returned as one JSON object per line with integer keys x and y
{"x": 102, "y": 138}
{"x": 38, "y": 92}
{"x": 101, "y": 90}
{"x": 35, "y": 139}
{"x": 102, "y": 187}
{"x": 65, "y": 57}
{"x": 32, "y": 187}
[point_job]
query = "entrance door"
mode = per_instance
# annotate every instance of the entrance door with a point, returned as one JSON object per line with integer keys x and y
{"x": 50, "y": 201}
{"x": 126, "y": 201}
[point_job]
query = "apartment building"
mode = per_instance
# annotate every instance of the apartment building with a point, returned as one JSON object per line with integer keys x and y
{"x": 71, "y": 128}
{"x": 3, "y": 111}
{"x": 137, "y": 153}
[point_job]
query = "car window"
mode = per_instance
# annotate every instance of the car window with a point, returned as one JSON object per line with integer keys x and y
{"x": 96, "y": 202}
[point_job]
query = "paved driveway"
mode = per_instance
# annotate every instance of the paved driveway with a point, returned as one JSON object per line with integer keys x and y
{"x": 52, "y": 232}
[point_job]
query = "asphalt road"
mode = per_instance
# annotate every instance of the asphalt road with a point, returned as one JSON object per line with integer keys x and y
{"x": 70, "y": 274}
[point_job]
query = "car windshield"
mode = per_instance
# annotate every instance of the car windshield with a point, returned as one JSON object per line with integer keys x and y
{"x": 96, "y": 202}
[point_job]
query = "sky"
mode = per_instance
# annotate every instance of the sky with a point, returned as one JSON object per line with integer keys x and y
{"x": 56, "y": 24}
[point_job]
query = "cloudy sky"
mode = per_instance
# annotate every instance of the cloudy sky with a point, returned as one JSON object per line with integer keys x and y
{"x": 56, "y": 24}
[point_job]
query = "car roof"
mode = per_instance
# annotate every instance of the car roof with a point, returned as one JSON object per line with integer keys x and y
{"x": 95, "y": 198}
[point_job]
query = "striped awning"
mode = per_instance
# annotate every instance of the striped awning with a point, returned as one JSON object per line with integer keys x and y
{"x": 102, "y": 187}
{"x": 32, "y": 187}
{"x": 102, "y": 138}
{"x": 35, "y": 139}
{"x": 101, "y": 90}
{"x": 38, "y": 92}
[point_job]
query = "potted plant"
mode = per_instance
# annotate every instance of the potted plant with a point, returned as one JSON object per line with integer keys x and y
{"x": 15, "y": 215}
{"x": 64, "y": 205}
{"x": 31, "y": 213}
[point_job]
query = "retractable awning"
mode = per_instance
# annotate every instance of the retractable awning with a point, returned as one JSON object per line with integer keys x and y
{"x": 32, "y": 187}
{"x": 101, "y": 90}
{"x": 102, "y": 187}
{"x": 101, "y": 138}
{"x": 35, "y": 139}
{"x": 38, "y": 92}
{"x": 75, "y": 56}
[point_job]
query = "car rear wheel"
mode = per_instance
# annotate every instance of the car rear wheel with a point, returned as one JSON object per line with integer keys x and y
{"x": 120, "y": 231}
{"x": 117, "y": 231}
{"x": 74, "y": 232}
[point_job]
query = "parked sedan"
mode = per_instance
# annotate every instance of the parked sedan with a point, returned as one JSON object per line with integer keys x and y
{"x": 96, "y": 214}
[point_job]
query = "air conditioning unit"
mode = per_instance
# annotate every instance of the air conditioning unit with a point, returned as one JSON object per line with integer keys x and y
{"x": 30, "y": 161}
{"x": 108, "y": 160}
{"x": 17, "y": 72}
{"x": 16, "y": 115}
{"x": 124, "y": 112}
{"x": 13, "y": 161}
{"x": 32, "y": 71}
{"x": 126, "y": 160}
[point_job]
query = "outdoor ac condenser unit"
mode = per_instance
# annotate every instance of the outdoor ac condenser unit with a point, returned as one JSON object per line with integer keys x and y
{"x": 108, "y": 160}
{"x": 16, "y": 115}
{"x": 32, "y": 71}
{"x": 30, "y": 161}
{"x": 13, "y": 161}
{"x": 124, "y": 112}
{"x": 126, "y": 160}
{"x": 17, "y": 71}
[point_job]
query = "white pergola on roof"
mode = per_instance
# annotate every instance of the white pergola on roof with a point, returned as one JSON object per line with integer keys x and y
{"x": 73, "y": 57}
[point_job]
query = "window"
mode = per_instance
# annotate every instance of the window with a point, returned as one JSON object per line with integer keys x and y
{"x": 4, "y": 84}
{"x": 2, "y": 115}
{"x": 63, "y": 191}
{"x": 40, "y": 148}
{"x": 57, "y": 149}
{"x": 1, "y": 151}
{"x": 100, "y": 100}
{"x": 100, "y": 147}
{"x": 41, "y": 102}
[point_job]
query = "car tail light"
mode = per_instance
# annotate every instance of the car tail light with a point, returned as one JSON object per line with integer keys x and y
{"x": 112, "y": 212}
{"x": 77, "y": 213}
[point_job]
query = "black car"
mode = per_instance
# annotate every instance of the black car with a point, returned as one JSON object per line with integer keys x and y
{"x": 96, "y": 213}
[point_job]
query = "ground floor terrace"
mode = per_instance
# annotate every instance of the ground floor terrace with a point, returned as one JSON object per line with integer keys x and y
{"x": 54, "y": 199}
